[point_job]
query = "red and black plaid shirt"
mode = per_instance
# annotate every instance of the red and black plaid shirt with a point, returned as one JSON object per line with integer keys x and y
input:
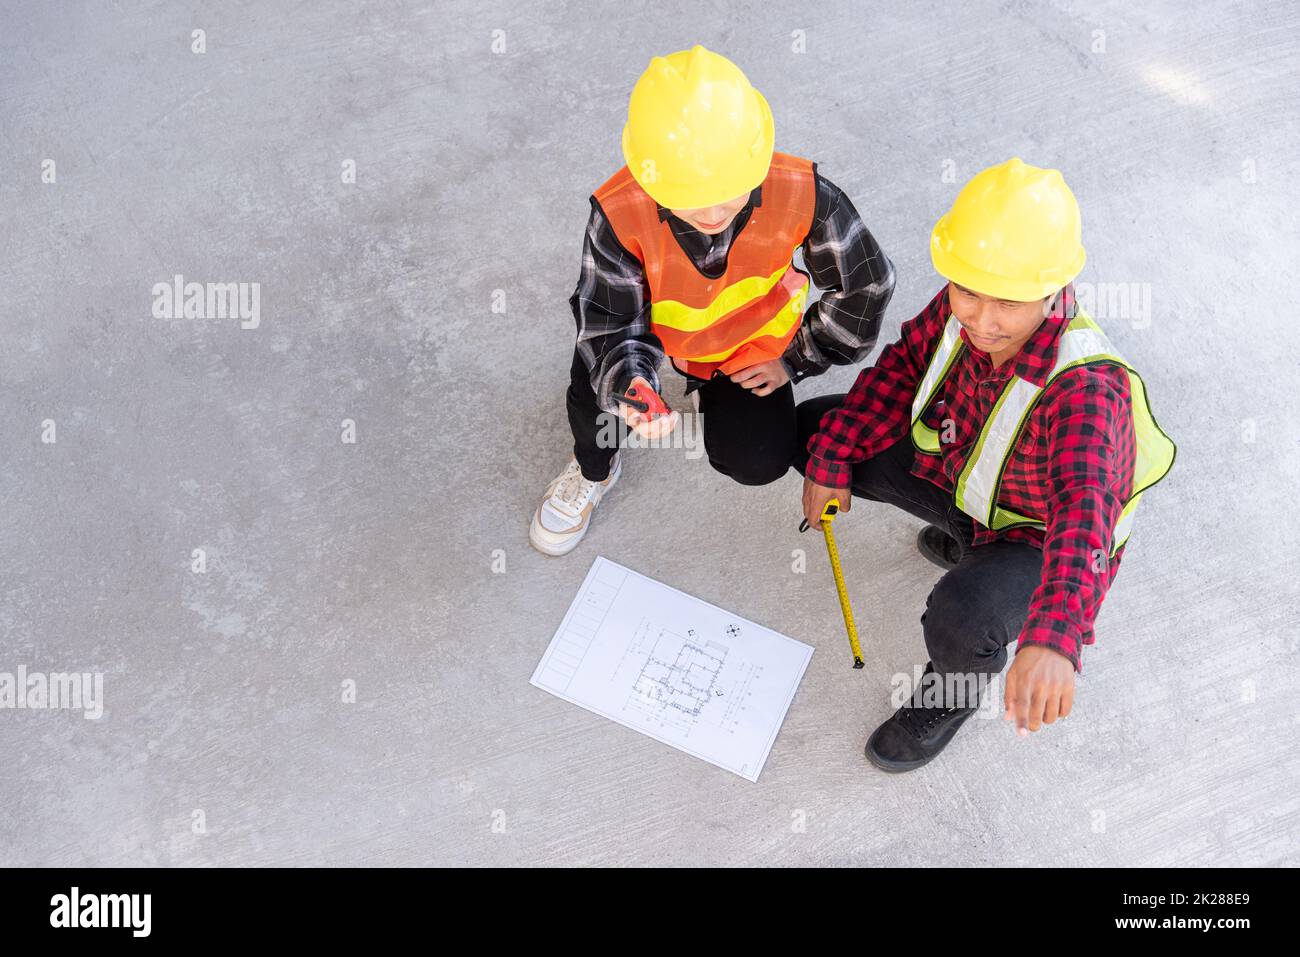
{"x": 1073, "y": 464}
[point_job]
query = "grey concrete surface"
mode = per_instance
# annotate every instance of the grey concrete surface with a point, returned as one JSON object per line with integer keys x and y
{"x": 372, "y": 562}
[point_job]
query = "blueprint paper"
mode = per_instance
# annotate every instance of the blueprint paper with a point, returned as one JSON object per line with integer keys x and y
{"x": 673, "y": 667}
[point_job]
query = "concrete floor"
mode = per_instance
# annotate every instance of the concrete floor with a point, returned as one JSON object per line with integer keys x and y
{"x": 373, "y": 562}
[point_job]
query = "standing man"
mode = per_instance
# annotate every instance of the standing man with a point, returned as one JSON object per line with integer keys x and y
{"x": 689, "y": 254}
{"x": 1005, "y": 419}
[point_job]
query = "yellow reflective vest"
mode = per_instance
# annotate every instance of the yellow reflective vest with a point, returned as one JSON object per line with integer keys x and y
{"x": 1082, "y": 343}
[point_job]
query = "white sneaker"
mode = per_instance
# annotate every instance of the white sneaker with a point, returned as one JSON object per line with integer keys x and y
{"x": 561, "y": 520}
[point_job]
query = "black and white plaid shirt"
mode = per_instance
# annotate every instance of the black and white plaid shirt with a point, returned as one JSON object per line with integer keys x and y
{"x": 611, "y": 303}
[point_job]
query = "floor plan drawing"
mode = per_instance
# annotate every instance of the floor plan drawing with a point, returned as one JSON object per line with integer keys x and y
{"x": 674, "y": 667}
{"x": 679, "y": 677}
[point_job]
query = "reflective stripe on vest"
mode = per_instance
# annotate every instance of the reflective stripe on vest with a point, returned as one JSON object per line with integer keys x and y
{"x": 1082, "y": 343}
{"x": 787, "y": 287}
{"x": 925, "y": 438}
{"x": 750, "y": 313}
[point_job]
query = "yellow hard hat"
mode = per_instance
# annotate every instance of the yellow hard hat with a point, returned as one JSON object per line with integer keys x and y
{"x": 697, "y": 133}
{"x": 1013, "y": 233}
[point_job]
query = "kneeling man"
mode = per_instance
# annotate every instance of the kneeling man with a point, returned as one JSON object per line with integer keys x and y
{"x": 1005, "y": 419}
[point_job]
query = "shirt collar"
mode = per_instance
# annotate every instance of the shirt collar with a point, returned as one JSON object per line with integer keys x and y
{"x": 755, "y": 199}
{"x": 1037, "y": 357}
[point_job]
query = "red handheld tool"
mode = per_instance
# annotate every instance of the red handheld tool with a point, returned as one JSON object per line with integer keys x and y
{"x": 644, "y": 400}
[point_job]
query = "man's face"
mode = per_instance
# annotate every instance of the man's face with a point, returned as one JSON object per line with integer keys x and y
{"x": 996, "y": 326}
{"x": 712, "y": 220}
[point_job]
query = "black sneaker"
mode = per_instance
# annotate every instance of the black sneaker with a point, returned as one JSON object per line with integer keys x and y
{"x": 938, "y": 546}
{"x": 915, "y": 735}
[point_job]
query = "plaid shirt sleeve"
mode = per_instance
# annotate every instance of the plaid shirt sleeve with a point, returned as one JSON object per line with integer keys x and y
{"x": 878, "y": 409}
{"x": 1090, "y": 451}
{"x": 857, "y": 280}
{"x": 611, "y": 306}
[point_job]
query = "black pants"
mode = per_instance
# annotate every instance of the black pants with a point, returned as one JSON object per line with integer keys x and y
{"x": 750, "y": 438}
{"x": 976, "y": 609}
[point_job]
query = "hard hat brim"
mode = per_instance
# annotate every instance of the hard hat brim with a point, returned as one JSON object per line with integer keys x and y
{"x": 1000, "y": 287}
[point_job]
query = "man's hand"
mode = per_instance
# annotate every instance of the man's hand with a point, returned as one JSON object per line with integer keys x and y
{"x": 640, "y": 422}
{"x": 815, "y": 498}
{"x": 1040, "y": 688}
{"x": 763, "y": 378}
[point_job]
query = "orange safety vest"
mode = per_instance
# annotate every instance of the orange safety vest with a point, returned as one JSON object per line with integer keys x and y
{"x": 750, "y": 313}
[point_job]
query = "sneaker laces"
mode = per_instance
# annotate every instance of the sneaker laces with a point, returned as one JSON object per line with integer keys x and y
{"x": 573, "y": 492}
{"x": 919, "y": 720}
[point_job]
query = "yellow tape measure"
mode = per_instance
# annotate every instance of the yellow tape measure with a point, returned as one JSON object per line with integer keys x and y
{"x": 828, "y": 513}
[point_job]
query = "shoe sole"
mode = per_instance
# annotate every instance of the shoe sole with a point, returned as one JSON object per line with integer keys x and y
{"x": 894, "y": 768}
{"x": 556, "y": 551}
